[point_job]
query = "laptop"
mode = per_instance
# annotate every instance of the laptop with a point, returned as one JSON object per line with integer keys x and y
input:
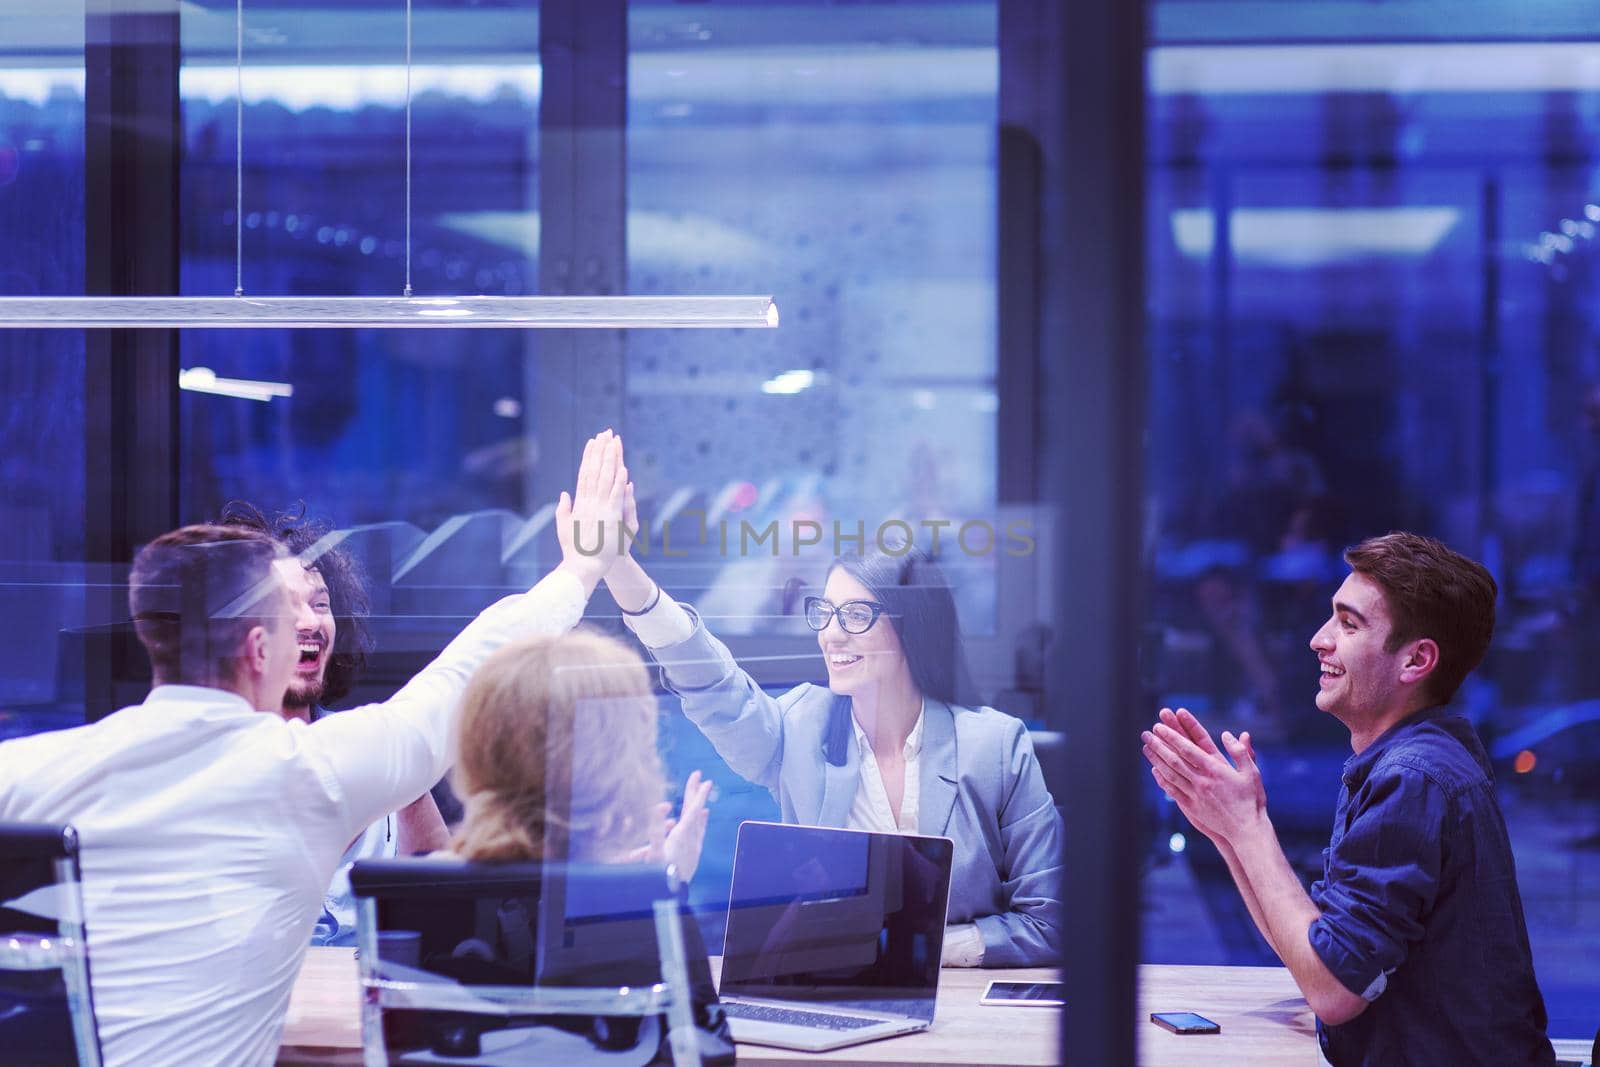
{"x": 833, "y": 936}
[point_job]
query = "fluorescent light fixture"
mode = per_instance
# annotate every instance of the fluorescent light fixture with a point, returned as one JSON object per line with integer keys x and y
{"x": 653, "y": 236}
{"x": 789, "y": 383}
{"x": 1282, "y": 70}
{"x": 349, "y": 87}
{"x": 205, "y": 380}
{"x": 1306, "y": 236}
{"x": 384, "y": 312}
{"x": 833, "y": 73}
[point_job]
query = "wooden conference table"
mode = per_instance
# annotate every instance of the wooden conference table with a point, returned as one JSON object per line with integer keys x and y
{"x": 1264, "y": 1021}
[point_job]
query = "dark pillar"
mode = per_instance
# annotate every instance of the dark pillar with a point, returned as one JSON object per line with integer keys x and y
{"x": 575, "y": 377}
{"x": 131, "y": 153}
{"x": 1074, "y": 75}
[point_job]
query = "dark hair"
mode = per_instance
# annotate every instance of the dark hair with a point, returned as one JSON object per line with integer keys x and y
{"x": 341, "y": 573}
{"x": 1431, "y": 592}
{"x": 917, "y": 603}
{"x": 195, "y": 593}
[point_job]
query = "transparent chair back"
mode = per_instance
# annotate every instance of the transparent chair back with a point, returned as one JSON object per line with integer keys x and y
{"x": 501, "y": 964}
{"x": 46, "y": 1009}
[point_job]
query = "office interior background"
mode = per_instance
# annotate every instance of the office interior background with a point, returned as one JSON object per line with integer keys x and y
{"x": 1371, "y": 271}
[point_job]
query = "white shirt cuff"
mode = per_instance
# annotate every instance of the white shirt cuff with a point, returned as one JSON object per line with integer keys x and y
{"x": 666, "y": 623}
{"x": 963, "y": 946}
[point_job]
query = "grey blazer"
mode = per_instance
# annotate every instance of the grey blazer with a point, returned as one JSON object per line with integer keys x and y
{"x": 980, "y": 786}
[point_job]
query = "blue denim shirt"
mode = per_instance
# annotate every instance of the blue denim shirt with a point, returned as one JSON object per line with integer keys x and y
{"x": 1421, "y": 915}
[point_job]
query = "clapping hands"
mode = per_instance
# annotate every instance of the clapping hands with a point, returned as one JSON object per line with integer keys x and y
{"x": 1221, "y": 799}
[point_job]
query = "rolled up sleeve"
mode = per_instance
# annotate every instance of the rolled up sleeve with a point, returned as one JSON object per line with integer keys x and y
{"x": 666, "y": 623}
{"x": 1381, "y": 878}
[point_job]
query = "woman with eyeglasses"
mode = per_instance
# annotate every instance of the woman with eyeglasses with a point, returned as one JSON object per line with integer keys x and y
{"x": 889, "y": 744}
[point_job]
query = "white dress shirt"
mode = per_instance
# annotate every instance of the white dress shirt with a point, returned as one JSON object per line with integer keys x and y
{"x": 870, "y": 808}
{"x": 666, "y": 623}
{"x": 336, "y": 926}
{"x": 209, "y": 832}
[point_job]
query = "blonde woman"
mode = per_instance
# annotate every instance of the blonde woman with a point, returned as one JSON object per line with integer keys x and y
{"x": 557, "y": 759}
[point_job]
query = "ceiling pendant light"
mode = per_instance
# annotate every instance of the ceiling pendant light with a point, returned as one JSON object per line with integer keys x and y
{"x": 373, "y": 312}
{"x": 386, "y": 312}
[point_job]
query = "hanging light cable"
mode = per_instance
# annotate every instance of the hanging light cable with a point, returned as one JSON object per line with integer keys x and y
{"x": 407, "y": 291}
{"x": 238, "y": 148}
{"x": 405, "y": 311}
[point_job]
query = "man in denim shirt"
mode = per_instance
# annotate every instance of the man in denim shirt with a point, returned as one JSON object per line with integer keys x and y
{"x": 1412, "y": 948}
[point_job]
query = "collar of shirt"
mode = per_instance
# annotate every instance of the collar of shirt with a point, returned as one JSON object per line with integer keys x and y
{"x": 1360, "y": 764}
{"x": 225, "y": 701}
{"x": 913, "y": 745}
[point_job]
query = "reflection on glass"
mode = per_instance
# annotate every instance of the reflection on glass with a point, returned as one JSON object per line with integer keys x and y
{"x": 526, "y": 962}
{"x": 384, "y": 426}
{"x": 846, "y": 918}
{"x": 845, "y": 155}
{"x": 1369, "y": 273}
{"x": 43, "y": 510}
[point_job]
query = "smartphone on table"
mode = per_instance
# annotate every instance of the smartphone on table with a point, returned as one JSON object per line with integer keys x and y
{"x": 1026, "y": 994}
{"x": 1184, "y": 1022}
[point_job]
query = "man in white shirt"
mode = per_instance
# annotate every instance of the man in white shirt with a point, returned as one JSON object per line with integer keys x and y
{"x": 208, "y": 830}
{"x": 332, "y": 654}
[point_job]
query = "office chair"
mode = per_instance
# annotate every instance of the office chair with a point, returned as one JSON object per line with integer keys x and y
{"x": 510, "y": 963}
{"x": 46, "y": 1009}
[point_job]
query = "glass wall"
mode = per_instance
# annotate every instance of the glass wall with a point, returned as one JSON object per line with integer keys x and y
{"x": 1371, "y": 285}
{"x": 41, "y": 371}
{"x": 1372, "y": 257}
{"x": 381, "y": 426}
{"x": 843, "y": 157}
{"x": 840, "y": 158}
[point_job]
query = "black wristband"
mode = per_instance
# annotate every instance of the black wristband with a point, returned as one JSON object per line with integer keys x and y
{"x": 646, "y": 609}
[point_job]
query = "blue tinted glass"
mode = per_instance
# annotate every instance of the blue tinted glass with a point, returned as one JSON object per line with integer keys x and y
{"x": 841, "y": 158}
{"x": 42, "y": 506}
{"x": 381, "y": 426}
{"x": 1370, "y": 309}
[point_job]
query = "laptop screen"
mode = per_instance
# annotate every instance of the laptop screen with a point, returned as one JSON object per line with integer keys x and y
{"x": 837, "y": 916}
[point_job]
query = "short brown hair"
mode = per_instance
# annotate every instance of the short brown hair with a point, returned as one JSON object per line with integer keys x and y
{"x": 1433, "y": 592}
{"x": 557, "y": 751}
{"x": 194, "y": 593}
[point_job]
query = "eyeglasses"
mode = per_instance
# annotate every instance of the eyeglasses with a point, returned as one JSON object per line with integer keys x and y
{"x": 855, "y": 616}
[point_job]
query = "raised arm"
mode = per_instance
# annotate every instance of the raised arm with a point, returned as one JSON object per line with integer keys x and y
{"x": 386, "y": 755}
{"x": 741, "y": 720}
{"x": 420, "y": 828}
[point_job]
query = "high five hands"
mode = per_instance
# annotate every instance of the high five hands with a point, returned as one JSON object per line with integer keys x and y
{"x": 1222, "y": 800}
{"x": 589, "y": 522}
{"x": 590, "y": 527}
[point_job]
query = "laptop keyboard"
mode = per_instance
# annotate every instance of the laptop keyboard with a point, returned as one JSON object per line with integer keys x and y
{"x": 796, "y": 1017}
